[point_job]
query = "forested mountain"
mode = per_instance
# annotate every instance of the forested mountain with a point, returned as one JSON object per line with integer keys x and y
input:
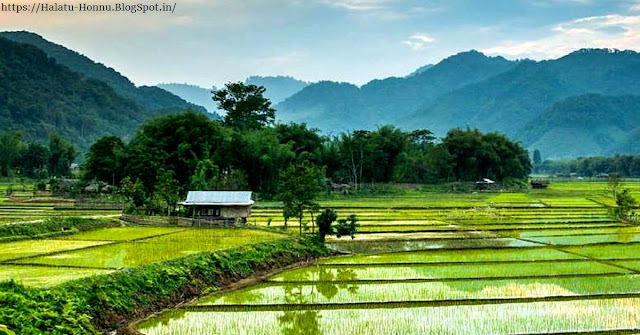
{"x": 420, "y": 70}
{"x": 39, "y": 97}
{"x": 586, "y": 124}
{"x": 509, "y": 101}
{"x": 149, "y": 97}
{"x": 333, "y": 106}
{"x": 278, "y": 88}
{"x": 194, "y": 94}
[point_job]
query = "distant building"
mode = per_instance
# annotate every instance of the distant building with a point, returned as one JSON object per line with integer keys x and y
{"x": 539, "y": 184}
{"x": 219, "y": 207}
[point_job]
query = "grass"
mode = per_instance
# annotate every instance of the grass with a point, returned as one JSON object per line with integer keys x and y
{"x": 133, "y": 254}
{"x": 612, "y": 251}
{"x": 13, "y": 250}
{"x": 123, "y": 233}
{"x": 42, "y": 276}
{"x": 588, "y": 239}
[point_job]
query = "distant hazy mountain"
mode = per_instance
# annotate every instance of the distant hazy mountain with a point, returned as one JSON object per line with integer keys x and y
{"x": 584, "y": 125}
{"x": 420, "y": 70}
{"x": 149, "y": 97}
{"x": 39, "y": 96}
{"x": 278, "y": 88}
{"x": 194, "y": 94}
{"x": 509, "y": 101}
{"x": 336, "y": 107}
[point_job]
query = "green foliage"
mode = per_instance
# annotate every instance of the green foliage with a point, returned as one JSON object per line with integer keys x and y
{"x": 152, "y": 99}
{"x": 105, "y": 160}
{"x": 626, "y": 203}
{"x": 134, "y": 192}
{"x": 167, "y": 189}
{"x": 61, "y": 154}
{"x": 10, "y": 143}
{"x": 246, "y": 107}
{"x": 325, "y": 221}
{"x": 347, "y": 227}
{"x": 300, "y": 184}
{"x": 177, "y": 143}
{"x": 51, "y": 226}
{"x": 492, "y": 155}
{"x": 623, "y": 165}
{"x": 34, "y": 160}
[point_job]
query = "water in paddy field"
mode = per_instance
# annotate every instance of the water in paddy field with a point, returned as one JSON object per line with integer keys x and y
{"x": 506, "y": 271}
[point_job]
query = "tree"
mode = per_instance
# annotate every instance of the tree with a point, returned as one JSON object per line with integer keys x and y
{"x": 246, "y": 107}
{"x": 167, "y": 189}
{"x": 613, "y": 185}
{"x": 625, "y": 203}
{"x": 133, "y": 192}
{"x": 177, "y": 142}
{"x": 105, "y": 160}
{"x": 537, "y": 160}
{"x": 300, "y": 184}
{"x": 10, "y": 144}
{"x": 347, "y": 227}
{"x": 205, "y": 173}
{"x": 62, "y": 154}
{"x": 325, "y": 221}
{"x": 35, "y": 158}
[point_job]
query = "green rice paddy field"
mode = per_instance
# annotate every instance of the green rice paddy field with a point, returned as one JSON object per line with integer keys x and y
{"x": 546, "y": 261}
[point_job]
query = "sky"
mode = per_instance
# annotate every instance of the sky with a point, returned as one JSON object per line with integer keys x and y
{"x": 211, "y": 42}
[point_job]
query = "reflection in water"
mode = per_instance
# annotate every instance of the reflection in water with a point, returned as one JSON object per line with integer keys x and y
{"x": 308, "y": 322}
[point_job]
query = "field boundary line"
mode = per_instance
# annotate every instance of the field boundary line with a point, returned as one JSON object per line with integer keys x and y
{"x": 594, "y": 332}
{"x": 430, "y": 280}
{"x": 528, "y": 261}
{"x": 60, "y": 266}
{"x": 404, "y": 304}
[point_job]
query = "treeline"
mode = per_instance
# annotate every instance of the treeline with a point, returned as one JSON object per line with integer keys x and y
{"x": 34, "y": 159}
{"x": 173, "y": 154}
{"x": 246, "y": 150}
{"x": 622, "y": 165}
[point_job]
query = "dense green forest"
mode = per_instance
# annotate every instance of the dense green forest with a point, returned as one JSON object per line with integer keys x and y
{"x": 623, "y": 165}
{"x": 579, "y": 126}
{"x": 150, "y": 98}
{"x": 39, "y": 97}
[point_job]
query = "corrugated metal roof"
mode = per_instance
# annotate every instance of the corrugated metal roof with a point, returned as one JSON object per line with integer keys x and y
{"x": 218, "y": 197}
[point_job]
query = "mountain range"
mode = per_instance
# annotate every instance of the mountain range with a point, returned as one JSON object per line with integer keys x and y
{"x": 48, "y": 88}
{"x": 473, "y": 90}
{"x": 585, "y": 103}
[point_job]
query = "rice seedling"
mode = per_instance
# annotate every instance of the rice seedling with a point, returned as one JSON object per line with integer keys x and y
{"x": 435, "y": 256}
{"x": 14, "y": 250}
{"x": 122, "y": 233}
{"x": 131, "y": 254}
{"x": 326, "y": 292}
{"x": 44, "y": 276}
{"x": 382, "y": 272}
{"x": 540, "y": 317}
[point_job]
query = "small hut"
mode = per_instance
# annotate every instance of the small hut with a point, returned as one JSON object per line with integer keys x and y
{"x": 218, "y": 207}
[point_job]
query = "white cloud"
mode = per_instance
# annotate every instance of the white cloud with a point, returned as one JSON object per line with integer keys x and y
{"x": 418, "y": 41}
{"x": 359, "y": 5}
{"x": 607, "y": 31}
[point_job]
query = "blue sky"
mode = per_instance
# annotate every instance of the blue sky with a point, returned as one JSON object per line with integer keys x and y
{"x": 210, "y": 42}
